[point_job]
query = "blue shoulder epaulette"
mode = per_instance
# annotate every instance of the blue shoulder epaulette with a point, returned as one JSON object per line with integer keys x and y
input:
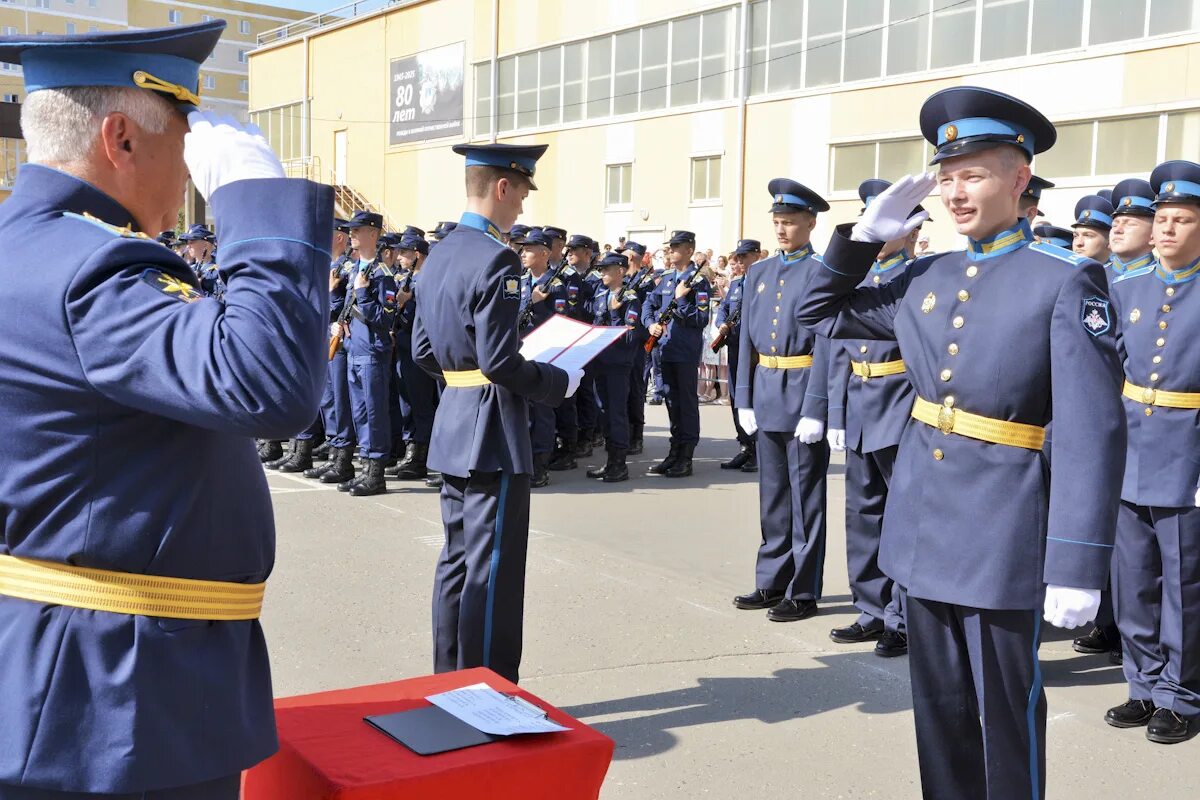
{"x": 1062, "y": 254}
{"x": 126, "y": 233}
{"x": 1133, "y": 273}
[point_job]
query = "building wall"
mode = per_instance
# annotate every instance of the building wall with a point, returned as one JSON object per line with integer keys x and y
{"x": 799, "y": 132}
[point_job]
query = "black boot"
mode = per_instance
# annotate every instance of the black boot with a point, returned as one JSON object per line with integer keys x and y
{"x": 321, "y": 451}
{"x": 541, "y": 472}
{"x": 752, "y": 464}
{"x": 563, "y": 459}
{"x": 738, "y": 461}
{"x": 406, "y": 453}
{"x": 372, "y": 481}
{"x": 661, "y": 467}
{"x": 300, "y": 459}
{"x": 434, "y": 481}
{"x": 349, "y": 483}
{"x": 341, "y": 468}
{"x": 276, "y": 463}
{"x": 416, "y": 468}
{"x": 683, "y": 466}
{"x": 583, "y": 444}
{"x": 635, "y": 440}
{"x": 270, "y": 450}
{"x": 616, "y": 470}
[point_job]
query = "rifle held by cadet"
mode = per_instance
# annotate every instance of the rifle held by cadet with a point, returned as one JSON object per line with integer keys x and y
{"x": 722, "y": 337}
{"x": 335, "y": 341}
{"x": 672, "y": 310}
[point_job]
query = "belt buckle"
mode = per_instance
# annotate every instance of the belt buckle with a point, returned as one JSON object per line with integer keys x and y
{"x": 1149, "y": 396}
{"x": 866, "y": 370}
{"x": 945, "y": 420}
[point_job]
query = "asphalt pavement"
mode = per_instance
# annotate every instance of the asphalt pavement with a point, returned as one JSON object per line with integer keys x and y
{"x": 629, "y": 627}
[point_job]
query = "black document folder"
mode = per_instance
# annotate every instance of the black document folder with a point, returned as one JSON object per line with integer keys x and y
{"x": 429, "y": 730}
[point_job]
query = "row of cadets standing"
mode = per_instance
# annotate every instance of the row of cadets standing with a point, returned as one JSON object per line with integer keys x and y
{"x": 201, "y": 245}
{"x": 680, "y": 342}
{"x": 729, "y": 324}
{"x": 782, "y": 393}
{"x": 575, "y": 417}
{"x": 639, "y": 281}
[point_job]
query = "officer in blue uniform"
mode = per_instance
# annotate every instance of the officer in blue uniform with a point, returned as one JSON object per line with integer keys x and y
{"x": 729, "y": 323}
{"x": 132, "y": 400}
{"x": 1052, "y": 234}
{"x": 465, "y": 332}
{"x": 418, "y": 392}
{"x": 200, "y": 244}
{"x": 680, "y": 341}
{"x": 369, "y": 354}
{"x": 1031, "y": 198}
{"x": 1156, "y": 573}
{"x": 871, "y": 385}
{"x": 978, "y": 583}
{"x": 1093, "y": 221}
{"x": 782, "y": 393}
{"x": 1133, "y": 222}
{"x": 639, "y": 281}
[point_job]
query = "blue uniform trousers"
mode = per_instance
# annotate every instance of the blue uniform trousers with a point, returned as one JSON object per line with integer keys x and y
{"x": 731, "y": 349}
{"x": 876, "y": 595}
{"x": 566, "y": 422}
{"x": 978, "y": 701}
{"x": 612, "y": 386}
{"x": 587, "y": 405}
{"x": 340, "y": 424}
{"x": 479, "y": 585}
{"x": 227, "y": 788}
{"x": 680, "y": 381}
{"x": 654, "y": 373}
{"x": 317, "y": 429}
{"x": 418, "y": 398}
{"x": 636, "y": 407}
{"x": 541, "y": 428}
{"x": 1156, "y": 591}
{"x": 791, "y": 493}
{"x": 370, "y": 378}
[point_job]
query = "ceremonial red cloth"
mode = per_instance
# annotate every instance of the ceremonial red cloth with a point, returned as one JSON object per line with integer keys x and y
{"x": 327, "y": 751}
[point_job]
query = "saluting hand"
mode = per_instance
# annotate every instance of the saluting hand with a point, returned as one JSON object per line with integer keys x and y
{"x": 218, "y": 151}
{"x": 887, "y": 218}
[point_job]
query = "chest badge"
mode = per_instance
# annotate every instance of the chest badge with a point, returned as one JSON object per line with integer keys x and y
{"x": 1135, "y": 315}
{"x": 761, "y": 287}
{"x": 928, "y": 303}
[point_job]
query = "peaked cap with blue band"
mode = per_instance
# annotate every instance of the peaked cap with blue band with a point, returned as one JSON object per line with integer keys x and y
{"x": 790, "y": 196}
{"x": 1093, "y": 211}
{"x": 521, "y": 158}
{"x": 412, "y": 230}
{"x": 1133, "y": 196}
{"x": 163, "y": 60}
{"x": 967, "y": 119}
{"x": 747, "y": 246}
{"x": 1105, "y": 193}
{"x": 1176, "y": 182}
{"x": 1054, "y": 235}
{"x": 1035, "y": 188}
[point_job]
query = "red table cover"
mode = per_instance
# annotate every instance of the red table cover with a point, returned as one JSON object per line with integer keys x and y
{"x": 326, "y": 751}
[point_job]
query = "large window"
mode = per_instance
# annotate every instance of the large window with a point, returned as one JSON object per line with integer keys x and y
{"x": 854, "y": 163}
{"x": 283, "y": 128}
{"x": 1102, "y": 147}
{"x": 619, "y": 178}
{"x": 1183, "y": 136}
{"x": 706, "y": 179}
{"x": 483, "y": 98}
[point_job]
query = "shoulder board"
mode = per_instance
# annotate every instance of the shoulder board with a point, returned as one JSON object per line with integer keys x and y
{"x": 567, "y": 272}
{"x": 124, "y": 233}
{"x": 817, "y": 257}
{"x": 1058, "y": 252}
{"x": 1135, "y": 273}
{"x": 386, "y": 270}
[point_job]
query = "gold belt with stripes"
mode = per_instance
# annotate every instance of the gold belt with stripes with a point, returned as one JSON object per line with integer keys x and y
{"x": 948, "y": 419}
{"x": 785, "y": 362}
{"x": 1157, "y": 397}
{"x": 128, "y": 593}
{"x": 866, "y": 370}
{"x": 465, "y": 378}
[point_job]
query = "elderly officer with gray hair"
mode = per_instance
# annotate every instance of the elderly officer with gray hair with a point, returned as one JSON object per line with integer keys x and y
{"x": 134, "y": 665}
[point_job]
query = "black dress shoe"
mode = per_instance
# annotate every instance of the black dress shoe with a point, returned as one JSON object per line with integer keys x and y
{"x": 1130, "y": 714}
{"x": 792, "y": 610}
{"x": 854, "y": 634}
{"x": 751, "y": 464}
{"x": 1116, "y": 657}
{"x": 737, "y": 461}
{"x": 892, "y": 644}
{"x": 757, "y": 600}
{"x": 1168, "y": 727}
{"x": 1095, "y": 641}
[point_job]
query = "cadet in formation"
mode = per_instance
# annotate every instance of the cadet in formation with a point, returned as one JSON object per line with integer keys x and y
{"x": 1093, "y": 221}
{"x": 417, "y": 392}
{"x": 729, "y": 325}
{"x": 127, "y": 388}
{"x": 980, "y": 586}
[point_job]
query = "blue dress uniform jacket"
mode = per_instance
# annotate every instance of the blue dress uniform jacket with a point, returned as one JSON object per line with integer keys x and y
{"x": 877, "y": 409}
{"x": 620, "y": 354}
{"x": 780, "y": 397}
{"x": 684, "y": 337}
{"x": 374, "y": 314}
{"x": 1153, "y": 309}
{"x": 467, "y": 320}
{"x": 1007, "y": 330}
{"x": 130, "y": 401}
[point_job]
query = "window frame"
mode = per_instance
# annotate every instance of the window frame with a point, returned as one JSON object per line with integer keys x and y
{"x": 709, "y": 199}
{"x": 623, "y": 169}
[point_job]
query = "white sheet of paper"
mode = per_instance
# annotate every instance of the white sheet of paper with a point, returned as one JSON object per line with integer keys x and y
{"x": 567, "y": 343}
{"x": 485, "y": 709}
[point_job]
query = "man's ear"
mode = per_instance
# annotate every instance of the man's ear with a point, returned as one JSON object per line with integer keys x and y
{"x": 501, "y": 189}
{"x": 116, "y": 134}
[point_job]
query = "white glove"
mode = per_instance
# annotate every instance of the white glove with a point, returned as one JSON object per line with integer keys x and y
{"x": 837, "y": 439}
{"x": 810, "y": 431}
{"x": 219, "y": 151}
{"x": 574, "y": 377}
{"x": 887, "y": 218}
{"x": 747, "y": 420}
{"x": 1071, "y": 608}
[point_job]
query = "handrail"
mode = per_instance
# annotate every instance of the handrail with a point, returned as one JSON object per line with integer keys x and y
{"x": 325, "y": 19}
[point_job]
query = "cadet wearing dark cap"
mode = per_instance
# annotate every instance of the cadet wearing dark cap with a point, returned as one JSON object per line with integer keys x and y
{"x": 639, "y": 281}
{"x": 1051, "y": 234}
{"x": 979, "y": 583}
{"x": 466, "y": 333}
{"x": 515, "y": 234}
{"x": 575, "y": 419}
{"x": 782, "y": 392}
{"x": 1093, "y": 221}
{"x": 612, "y": 306}
{"x": 1031, "y": 198}
{"x": 418, "y": 392}
{"x": 680, "y": 342}
{"x": 729, "y": 322}
{"x": 166, "y": 238}
{"x": 132, "y": 401}
{"x": 1133, "y": 222}
{"x": 200, "y": 245}
{"x": 870, "y": 383}
{"x": 1156, "y": 574}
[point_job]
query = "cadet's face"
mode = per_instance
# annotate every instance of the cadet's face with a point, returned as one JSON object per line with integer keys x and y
{"x": 579, "y": 255}
{"x": 611, "y": 277}
{"x": 1091, "y": 243}
{"x": 364, "y": 239}
{"x": 981, "y": 190}
{"x": 793, "y": 229}
{"x": 535, "y": 256}
{"x": 680, "y": 255}
{"x": 1177, "y": 234}
{"x": 1130, "y": 236}
{"x": 197, "y": 249}
{"x": 408, "y": 258}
